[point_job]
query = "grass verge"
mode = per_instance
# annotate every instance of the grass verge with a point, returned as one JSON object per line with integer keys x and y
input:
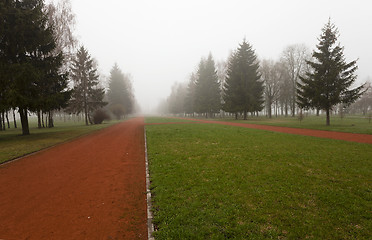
{"x": 14, "y": 145}
{"x": 352, "y": 124}
{"x": 165, "y": 120}
{"x": 221, "y": 182}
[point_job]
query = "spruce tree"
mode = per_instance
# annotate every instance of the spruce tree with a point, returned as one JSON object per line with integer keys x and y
{"x": 190, "y": 95}
{"x": 207, "y": 88}
{"x": 243, "y": 89}
{"x": 119, "y": 93}
{"x": 26, "y": 58}
{"x": 330, "y": 77}
{"x": 87, "y": 96}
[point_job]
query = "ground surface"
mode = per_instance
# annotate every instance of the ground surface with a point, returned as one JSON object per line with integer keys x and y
{"x": 352, "y": 137}
{"x": 90, "y": 188}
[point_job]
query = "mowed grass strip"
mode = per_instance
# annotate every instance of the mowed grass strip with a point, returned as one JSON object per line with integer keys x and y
{"x": 14, "y": 145}
{"x": 151, "y": 120}
{"x": 352, "y": 124}
{"x": 212, "y": 181}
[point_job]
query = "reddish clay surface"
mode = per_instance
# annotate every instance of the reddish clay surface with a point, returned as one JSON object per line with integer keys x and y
{"x": 352, "y": 137}
{"x": 90, "y": 188}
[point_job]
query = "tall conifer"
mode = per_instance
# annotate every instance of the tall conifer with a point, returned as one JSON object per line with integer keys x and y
{"x": 327, "y": 83}
{"x": 243, "y": 89}
{"x": 207, "y": 88}
{"x": 87, "y": 96}
{"x": 28, "y": 60}
{"x": 119, "y": 93}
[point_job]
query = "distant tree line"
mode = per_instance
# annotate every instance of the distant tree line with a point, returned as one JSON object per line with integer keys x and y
{"x": 299, "y": 81}
{"x": 41, "y": 72}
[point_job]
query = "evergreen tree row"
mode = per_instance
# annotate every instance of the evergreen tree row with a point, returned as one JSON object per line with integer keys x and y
{"x": 297, "y": 82}
{"x": 238, "y": 90}
{"x": 41, "y": 73}
{"x": 30, "y": 76}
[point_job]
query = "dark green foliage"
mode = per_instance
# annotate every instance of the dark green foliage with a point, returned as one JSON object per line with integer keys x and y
{"x": 87, "y": 96}
{"x": 30, "y": 78}
{"x": 327, "y": 83}
{"x": 243, "y": 90}
{"x": 207, "y": 88}
{"x": 120, "y": 93}
{"x": 189, "y": 104}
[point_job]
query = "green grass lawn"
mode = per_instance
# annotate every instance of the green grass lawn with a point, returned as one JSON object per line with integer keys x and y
{"x": 353, "y": 124}
{"x": 13, "y": 144}
{"x": 165, "y": 120}
{"x": 212, "y": 181}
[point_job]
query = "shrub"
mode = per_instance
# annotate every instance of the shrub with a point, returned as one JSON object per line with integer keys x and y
{"x": 99, "y": 116}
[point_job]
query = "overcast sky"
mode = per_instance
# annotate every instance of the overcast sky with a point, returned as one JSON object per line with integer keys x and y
{"x": 161, "y": 42}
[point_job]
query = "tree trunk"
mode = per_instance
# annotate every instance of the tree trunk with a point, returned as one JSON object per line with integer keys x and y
{"x": 269, "y": 110}
{"x": 236, "y": 116}
{"x": 1, "y": 123}
{"x": 14, "y": 119}
{"x": 46, "y": 120}
{"x": 7, "y": 119}
{"x": 293, "y": 106}
{"x": 42, "y": 119}
{"x": 286, "y": 109}
{"x": 24, "y": 121}
{"x": 3, "y": 116}
{"x": 86, "y": 116}
{"x": 328, "y": 122}
{"x": 51, "y": 123}
{"x": 245, "y": 114}
{"x": 38, "y": 119}
{"x": 317, "y": 112}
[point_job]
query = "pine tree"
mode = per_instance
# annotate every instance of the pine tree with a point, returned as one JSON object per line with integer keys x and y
{"x": 26, "y": 58}
{"x": 327, "y": 83}
{"x": 87, "y": 96}
{"x": 120, "y": 94}
{"x": 207, "y": 94}
{"x": 243, "y": 89}
{"x": 190, "y": 95}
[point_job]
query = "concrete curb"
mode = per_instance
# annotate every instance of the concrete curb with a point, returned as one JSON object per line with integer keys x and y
{"x": 150, "y": 225}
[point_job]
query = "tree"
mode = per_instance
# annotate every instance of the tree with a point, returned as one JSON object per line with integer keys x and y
{"x": 294, "y": 61}
{"x": 271, "y": 75}
{"x": 364, "y": 104}
{"x": 119, "y": 93}
{"x": 62, "y": 19}
{"x": 243, "y": 89}
{"x": 189, "y": 104}
{"x": 28, "y": 58}
{"x": 330, "y": 77}
{"x": 176, "y": 100}
{"x": 207, "y": 92}
{"x": 87, "y": 96}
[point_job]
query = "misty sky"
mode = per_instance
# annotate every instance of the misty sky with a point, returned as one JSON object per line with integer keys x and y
{"x": 161, "y": 42}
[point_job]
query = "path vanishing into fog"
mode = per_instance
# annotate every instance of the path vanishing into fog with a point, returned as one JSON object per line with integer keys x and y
{"x": 351, "y": 137}
{"x": 91, "y": 188}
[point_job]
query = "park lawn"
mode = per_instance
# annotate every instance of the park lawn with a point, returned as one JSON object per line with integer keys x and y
{"x": 152, "y": 119}
{"x": 352, "y": 124}
{"x": 14, "y": 145}
{"x": 213, "y": 181}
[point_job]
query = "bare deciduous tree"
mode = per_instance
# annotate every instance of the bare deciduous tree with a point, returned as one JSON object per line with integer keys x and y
{"x": 294, "y": 60}
{"x": 271, "y": 75}
{"x": 61, "y": 17}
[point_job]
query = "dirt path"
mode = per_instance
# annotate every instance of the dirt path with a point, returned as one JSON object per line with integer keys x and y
{"x": 352, "y": 137}
{"x": 91, "y": 188}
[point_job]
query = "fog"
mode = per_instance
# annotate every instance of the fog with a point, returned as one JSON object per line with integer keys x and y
{"x": 161, "y": 42}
